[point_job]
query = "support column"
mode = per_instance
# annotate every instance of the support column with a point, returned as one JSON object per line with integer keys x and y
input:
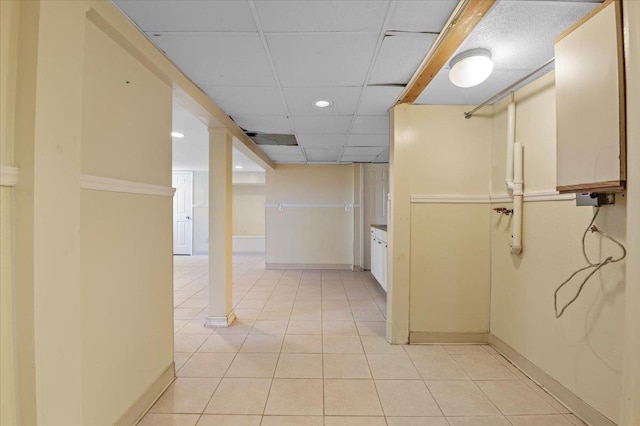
{"x": 220, "y": 230}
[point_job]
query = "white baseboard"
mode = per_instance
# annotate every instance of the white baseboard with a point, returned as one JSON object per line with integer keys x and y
{"x": 338, "y": 266}
{"x": 140, "y": 407}
{"x": 220, "y": 322}
{"x": 579, "y": 407}
{"x": 249, "y": 244}
{"x": 436, "y": 337}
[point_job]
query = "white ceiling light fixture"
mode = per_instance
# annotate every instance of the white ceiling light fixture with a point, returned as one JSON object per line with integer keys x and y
{"x": 323, "y": 103}
{"x": 471, "y": 67}
{"x": 177, "y": 135}
{"x": 239, "y": 167}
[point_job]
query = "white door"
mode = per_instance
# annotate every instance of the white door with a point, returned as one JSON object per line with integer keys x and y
{"x": 376, "y": 188}
{"x": 183, "y": 213}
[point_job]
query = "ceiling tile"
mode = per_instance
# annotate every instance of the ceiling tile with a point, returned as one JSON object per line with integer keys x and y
{"x": 383, "y": 157}
{"x": 219, "y": 59}
{"x": 300, "y": 100}
{"x": 283, "y": 153}
{"x": 520, "y": 34}
{"x": 357, "y": 158}
{"x": 368, "y": 140}
{"x": 442, "y": 92}
{"x": 362, "y": 150}
{"x": 189, "y": 15}
{"x": 247, "y": 100}
{"x": 399, "y": 58}
{"x": 329, "y": 16}
{"x": 321, "y": 140}
{"x": 322, "y": 59}
{"x": 278, "y": 124}
{"x": 330, "y": 125}
{"x": 376, "y": 100}
{"x": 322, "y": 154}
{"x": 368, "y": 124}
{"x": 421, "y": 16}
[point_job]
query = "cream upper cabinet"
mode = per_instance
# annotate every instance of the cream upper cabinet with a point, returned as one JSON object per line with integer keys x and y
{"x": 590, "y": 103}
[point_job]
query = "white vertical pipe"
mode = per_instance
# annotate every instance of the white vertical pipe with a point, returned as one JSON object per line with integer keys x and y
{"x": 516, "y": 230}
{"x": 511, "y": 139}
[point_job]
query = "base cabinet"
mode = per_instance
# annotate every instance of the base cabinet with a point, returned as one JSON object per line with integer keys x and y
{"x": 379, "y": 257}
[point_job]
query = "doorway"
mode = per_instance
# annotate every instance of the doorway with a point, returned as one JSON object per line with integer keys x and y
{"x": 183, "y": 213}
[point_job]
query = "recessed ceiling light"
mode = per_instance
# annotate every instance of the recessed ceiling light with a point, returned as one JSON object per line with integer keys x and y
{"x": 239, "y": 167}
{"x": 177, "y": 135}
{"x": 471, "y": 67}
{"x": 323, "y": 103}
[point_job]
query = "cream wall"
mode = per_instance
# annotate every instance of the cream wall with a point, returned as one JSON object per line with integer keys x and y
{"x": 310, "y": 235}
{"x": 126, "y": 239}
{"x": 248, "y": 207}
{"x": 9, "y": 22}
{"x": 582, "y": 349}
{"x": 93, "y": 269}
{"x": 448, "y": 244}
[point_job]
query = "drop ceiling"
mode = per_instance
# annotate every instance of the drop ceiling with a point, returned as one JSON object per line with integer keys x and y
{"x": 265, "y": 62}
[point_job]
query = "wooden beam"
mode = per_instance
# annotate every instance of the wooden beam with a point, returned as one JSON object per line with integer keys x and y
{"x": 452, "y": 36}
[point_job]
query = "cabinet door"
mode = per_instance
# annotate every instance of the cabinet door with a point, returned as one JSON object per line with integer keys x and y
{"x": 375, "y": 262}
{"x": 383, "y": 274}
{"x": 590, "y": 104}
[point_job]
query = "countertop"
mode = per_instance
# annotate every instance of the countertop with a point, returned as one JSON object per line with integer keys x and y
{"x": 380, "y": 227}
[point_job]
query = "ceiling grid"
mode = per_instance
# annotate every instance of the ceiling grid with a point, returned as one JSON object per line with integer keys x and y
{"x": 265, "y": 62}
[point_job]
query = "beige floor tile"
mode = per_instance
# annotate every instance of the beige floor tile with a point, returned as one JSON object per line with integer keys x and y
{"x": 185, "y": 313}
{"x": 512, "y": 368}
{"x": 186, "y": 395}
{"x": 513, "y": 397}
{"x": 336, "y": 314}
{"x": 461, "y": 398}
{"x": 239, "y": 396}
{"x": 295, "y": 397}
{"x": 406, "y": 398}
{"x": 188, "y": 342}
{"x": 178, "y": 324}
{"x": 304, "y": 327}
{"x": 238, "y": 327}
{"x": 483, "y": 367}
{"x": 540, "y": 420}
{"x": 419, "y": 350}
{"x": 253, "y": 365}
{"x": 298, "y": 343}
{"x": 195, "y": 326}
{"x": 292, "y": 421}
{"x": 227, "y": 343}
{"x": 548, "y": 398}
{"x": 478, "y": 421}
{"x": 346, "y": 366}
{"x": 417, "y": 421}
{"x": 379, "y": 345}
{"x": 465, "y": 349}
{"x": 269, "y": 327}
{"x": 438, "y": 367}
{"x": 228, "y": 420}
{"x": 385, "y": 366}
{"x": 299, "y": 366}
{"x": 351, "y": 398}
{"x": 262, "y": 343}
{"x": 371, "y": 328}
{"x": 354, "y": 421}
{"x": 252, "y": 303}
{"x": 180, "y": 358}
{"x": 306, "y": 313}
{"x": 275, "y": 314}
{"x": 157, "y": 419}
{"x": 341, "y": 344}
{"x": 490, "y": 350}
{"x": 206, "y": 365}
{"x": 244, "y": 313}
{"x": 368, "y": 315}
{"x": 339, "y": 328}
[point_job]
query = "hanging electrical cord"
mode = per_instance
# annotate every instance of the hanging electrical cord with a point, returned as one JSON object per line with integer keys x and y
{"x": 591, "y": 265}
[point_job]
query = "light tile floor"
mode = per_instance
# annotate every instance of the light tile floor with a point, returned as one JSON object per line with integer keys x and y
{"x": 309, "y": 349}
